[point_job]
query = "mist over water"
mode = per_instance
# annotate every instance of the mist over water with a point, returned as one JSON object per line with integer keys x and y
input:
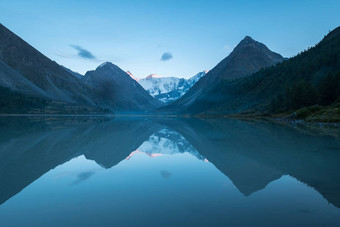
{"x": 166, "y": 172}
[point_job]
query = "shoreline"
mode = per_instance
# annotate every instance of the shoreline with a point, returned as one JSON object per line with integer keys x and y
{"x": 275, "y": 118}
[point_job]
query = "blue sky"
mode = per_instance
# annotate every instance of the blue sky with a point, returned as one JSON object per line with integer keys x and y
{"x": 169, "y": 38}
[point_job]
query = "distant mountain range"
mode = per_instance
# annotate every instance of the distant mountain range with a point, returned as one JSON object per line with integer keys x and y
{"x": 251, "y": 80}
{"x": 167, "y": 89}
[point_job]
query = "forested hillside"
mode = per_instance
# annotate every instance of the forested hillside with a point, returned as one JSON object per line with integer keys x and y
{"x": 308, "y": 79}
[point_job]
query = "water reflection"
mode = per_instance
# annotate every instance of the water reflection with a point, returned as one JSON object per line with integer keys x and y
{"x": 166, "y": 141}
{"x": 252, "y": 154}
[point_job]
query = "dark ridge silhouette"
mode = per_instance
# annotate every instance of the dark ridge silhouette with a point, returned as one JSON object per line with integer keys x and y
{"x": 118, "y": 91}
{"x": 39, "y": 85}
{"x": 248, "y": 57}
{"x": 49, "y": 78}
{"x": 310, "y": 78}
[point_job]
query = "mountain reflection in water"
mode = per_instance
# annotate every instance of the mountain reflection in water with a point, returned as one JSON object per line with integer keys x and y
{"x": 252, "y": 154}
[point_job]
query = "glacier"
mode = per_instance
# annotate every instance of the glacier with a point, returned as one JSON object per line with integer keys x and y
{"x": 167, "y": 89}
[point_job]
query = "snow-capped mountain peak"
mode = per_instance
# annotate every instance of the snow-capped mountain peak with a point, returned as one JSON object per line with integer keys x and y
{"x": 167, "y": 89}
{"x": 131, "y": 75}
{"x": 153, "y": 76}
{"x": 103, "y": 64}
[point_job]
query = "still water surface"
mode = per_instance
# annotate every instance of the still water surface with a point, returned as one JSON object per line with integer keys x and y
{"x": 167, "y": 172}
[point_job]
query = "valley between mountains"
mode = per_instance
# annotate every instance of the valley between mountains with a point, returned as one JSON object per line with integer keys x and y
{"x": 251, "y": 81}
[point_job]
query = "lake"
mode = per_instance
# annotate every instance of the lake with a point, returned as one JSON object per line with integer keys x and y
{"x": 139, "y": 171}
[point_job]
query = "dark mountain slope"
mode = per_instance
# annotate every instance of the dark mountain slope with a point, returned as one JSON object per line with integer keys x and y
{"x": 248, "y": 57}
{"x": 118, "y": 91}
{"x": 13, "y": 80}
{"x": 312, "y": 77}
{"x": 45, "y": 74}
{"x": 32, "y": 83}
{"x": 75, "y": 74}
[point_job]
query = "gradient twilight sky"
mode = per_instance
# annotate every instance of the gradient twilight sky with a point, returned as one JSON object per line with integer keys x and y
{"x": 169, "y": 38}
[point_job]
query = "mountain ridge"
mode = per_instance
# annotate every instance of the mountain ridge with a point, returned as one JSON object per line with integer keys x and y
{"x": 28, "y": 78}
{"x": 40, "y": 70}
{"x": 248, "y": 57}
{"x": 168, "y": 89}
{"x": 117, "y": 90}
{"x": 251, "y": 79}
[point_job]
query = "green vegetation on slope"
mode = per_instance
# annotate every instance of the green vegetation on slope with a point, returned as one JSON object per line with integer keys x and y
{"x": 14, "y": 102}
{"x": 310, "y": 78}
{"x": 318, "y": 113}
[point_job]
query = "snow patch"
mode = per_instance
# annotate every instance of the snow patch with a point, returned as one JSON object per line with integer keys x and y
{"x": 168, "y": 89}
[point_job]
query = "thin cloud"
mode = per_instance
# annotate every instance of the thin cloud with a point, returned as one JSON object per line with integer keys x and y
{"x": 83, "y": 53}
{"x": 62, "y": 55}
{"x": 166, "y": 56}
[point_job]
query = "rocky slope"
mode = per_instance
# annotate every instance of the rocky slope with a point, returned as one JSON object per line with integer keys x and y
{"x": 248, "y": 57}
{"x": 36, "y": 74}
{"x": 117, "y": 91}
